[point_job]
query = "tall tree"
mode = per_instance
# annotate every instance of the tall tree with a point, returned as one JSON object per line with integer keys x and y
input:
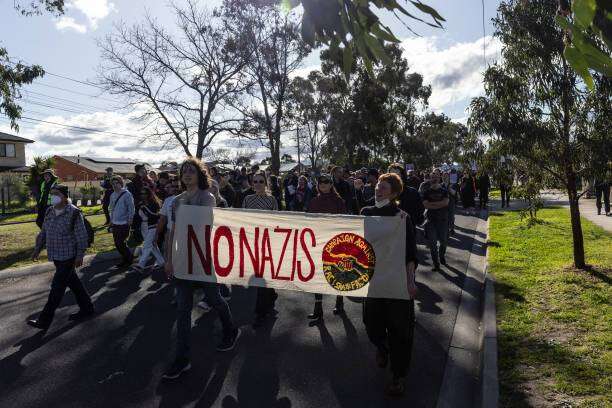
{"x": 311, "y": 110}
{"x": 183, "y": 85}
{"x": 536, "y": 103}
{"x": 276, "y": 51}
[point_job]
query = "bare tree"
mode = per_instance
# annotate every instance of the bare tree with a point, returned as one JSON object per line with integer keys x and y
{"x": 181, "y": 86}
{"x": 276, "y": 51}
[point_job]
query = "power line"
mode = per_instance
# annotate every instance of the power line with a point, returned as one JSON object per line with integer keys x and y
{"x": 80, "y": 128}
{"x": 74, "y": 92}
{"x": 53, "y": 107}
{"x": 60, "y": 105}
{"x": 69, "y": 101}
{"x": 62, "y": 76}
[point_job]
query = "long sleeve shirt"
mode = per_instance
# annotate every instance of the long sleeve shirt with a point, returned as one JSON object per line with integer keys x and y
{"x": 121, "y": 207}
{"x": 64, "y": 235}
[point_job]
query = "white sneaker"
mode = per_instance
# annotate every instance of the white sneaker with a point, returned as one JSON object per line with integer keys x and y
{"x": 204, "y": 306}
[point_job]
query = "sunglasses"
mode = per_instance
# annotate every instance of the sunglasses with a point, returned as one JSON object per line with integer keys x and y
{"x": 259, "y": 182}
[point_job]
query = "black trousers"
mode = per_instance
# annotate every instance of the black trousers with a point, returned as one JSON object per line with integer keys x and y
{"x": 40, "y": 216}
{"x": 602, "y": 190}
{"x": 483, "y": 197}
{"x": 266, "y": 298}
{"x": 65, "y": 277}
{"x": 105, "y": 204}
{"x": 390, "y": 327}
{"x": 120, "y": 235}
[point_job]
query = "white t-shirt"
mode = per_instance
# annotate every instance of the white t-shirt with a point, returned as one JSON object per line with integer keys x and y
{"x": 166, "y": 211}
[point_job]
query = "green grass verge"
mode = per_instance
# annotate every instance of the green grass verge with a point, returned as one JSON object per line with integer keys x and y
{"x": 17, "y": 242}
{"x": 96, "y": 209}
{"x": 554, "y": 322}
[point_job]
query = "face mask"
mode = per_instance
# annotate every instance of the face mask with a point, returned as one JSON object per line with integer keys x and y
{"x": 55, "y": 200}
{"x": 381, "y": 203}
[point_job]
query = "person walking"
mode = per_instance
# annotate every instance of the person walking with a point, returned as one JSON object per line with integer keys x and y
{"x": 390, "y": 323}
{"x": 49, "y": 180}
{"x": 435, "y": 201}
{"x": 108, "y": 190}
{"x": 122, "y": 211}
{"x": 262, "y": 200}
{"x": 410, "y": 200}
{"x": 328, "y": 201}
{"x": 149, "y": 215}
{"x": 468, "y": 191}
{"x": 302, "y": 196}
{"x": 64, "y": 235}
{"x": 602, "y": 191}
{"x": 195, "y": 183}
{"x": 344, "y": 189}
{"x": 505, "y": 186}
{"x": 245, "y": 190}
{"x": 450, "y": 183}
{"x": 484, "y": 186}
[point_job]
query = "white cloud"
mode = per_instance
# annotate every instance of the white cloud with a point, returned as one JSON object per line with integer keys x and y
{"x": 94, "y": 10}
{"x": 68, "y": 23}
{"x": 455, "y": 72}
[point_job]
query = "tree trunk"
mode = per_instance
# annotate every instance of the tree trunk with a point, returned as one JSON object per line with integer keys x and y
{"x": 577, "y": 238}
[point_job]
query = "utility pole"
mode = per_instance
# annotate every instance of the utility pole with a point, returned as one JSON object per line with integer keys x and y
{"x": 297, "y": 136}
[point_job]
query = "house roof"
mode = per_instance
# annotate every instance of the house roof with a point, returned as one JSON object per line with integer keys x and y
{"x": 99, "y": 164}
{"x": 5, "y": 137}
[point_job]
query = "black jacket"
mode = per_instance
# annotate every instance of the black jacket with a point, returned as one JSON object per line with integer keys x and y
{"x": 412, "y": 203}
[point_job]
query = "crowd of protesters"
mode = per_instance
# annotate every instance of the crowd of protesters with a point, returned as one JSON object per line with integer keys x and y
{"x": 144, "y": 209}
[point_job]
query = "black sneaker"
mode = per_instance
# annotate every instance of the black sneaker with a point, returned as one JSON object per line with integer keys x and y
{"x": 38, "y": 324}
{"x": 81, "y": 314}
{"x": 177, "y": 369}
{"x": 229, "y": 342}
{"x": 436, "y": 267}
{"x": 443, "y": 260}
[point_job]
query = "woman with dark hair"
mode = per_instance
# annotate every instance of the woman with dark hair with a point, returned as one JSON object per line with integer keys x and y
{"x": 468, "y": 191}
{"x": 262, "y": 200}
{"x": 149, "y": 214}
{"x": 302, "y": 196}
{"x": 194, "y": 181}
{"x": 390, "y": 322}
{"x": 328, "y": 201}
{"x": 410, "y": 200}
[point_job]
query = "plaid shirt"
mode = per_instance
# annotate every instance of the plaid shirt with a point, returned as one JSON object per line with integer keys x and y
{"x": 62, "y": 241}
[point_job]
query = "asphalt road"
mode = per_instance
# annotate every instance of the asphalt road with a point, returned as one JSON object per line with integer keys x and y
{"x": 117, "y": 358}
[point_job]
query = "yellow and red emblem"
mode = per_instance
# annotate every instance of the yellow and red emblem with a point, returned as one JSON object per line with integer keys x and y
{"x": 348, "y": 262}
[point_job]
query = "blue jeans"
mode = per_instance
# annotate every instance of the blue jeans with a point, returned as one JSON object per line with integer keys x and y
{"x": 437, "y": 230}
{"x": 184, "y": 305}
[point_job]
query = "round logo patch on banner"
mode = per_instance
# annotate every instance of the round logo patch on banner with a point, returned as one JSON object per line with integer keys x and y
{"x": 348, "y": 262}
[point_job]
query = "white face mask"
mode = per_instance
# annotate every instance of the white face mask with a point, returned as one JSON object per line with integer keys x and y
{"x": 381, "y": 203}
{"x": 55, "y": 200}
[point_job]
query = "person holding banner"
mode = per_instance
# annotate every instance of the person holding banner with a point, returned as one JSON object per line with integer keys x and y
{"x": 390, "y": 322}
{"x": 262, "y": 200}
{"x": 195, "y": 183}
{"x": 328, "y": 201}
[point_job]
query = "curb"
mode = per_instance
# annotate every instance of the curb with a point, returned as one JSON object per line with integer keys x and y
{"x": 45, "y": 267}
{"x": 461, "y": 372}
{"x": 489, "y": 381}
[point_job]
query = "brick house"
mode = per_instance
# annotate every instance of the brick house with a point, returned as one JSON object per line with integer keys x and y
{"x": 79, "y": 168}
{"x": 12, "y": 152}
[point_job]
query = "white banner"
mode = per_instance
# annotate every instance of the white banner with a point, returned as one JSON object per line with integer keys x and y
{"x": 317, "y": 253}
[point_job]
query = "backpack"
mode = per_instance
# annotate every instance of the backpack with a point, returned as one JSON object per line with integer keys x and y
{"x": 88, "y": 228}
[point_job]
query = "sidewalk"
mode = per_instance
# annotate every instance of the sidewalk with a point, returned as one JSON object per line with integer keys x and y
{"x": 588, "y": 209}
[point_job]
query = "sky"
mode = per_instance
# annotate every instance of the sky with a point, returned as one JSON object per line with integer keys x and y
{"x": 451, "y": 60}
